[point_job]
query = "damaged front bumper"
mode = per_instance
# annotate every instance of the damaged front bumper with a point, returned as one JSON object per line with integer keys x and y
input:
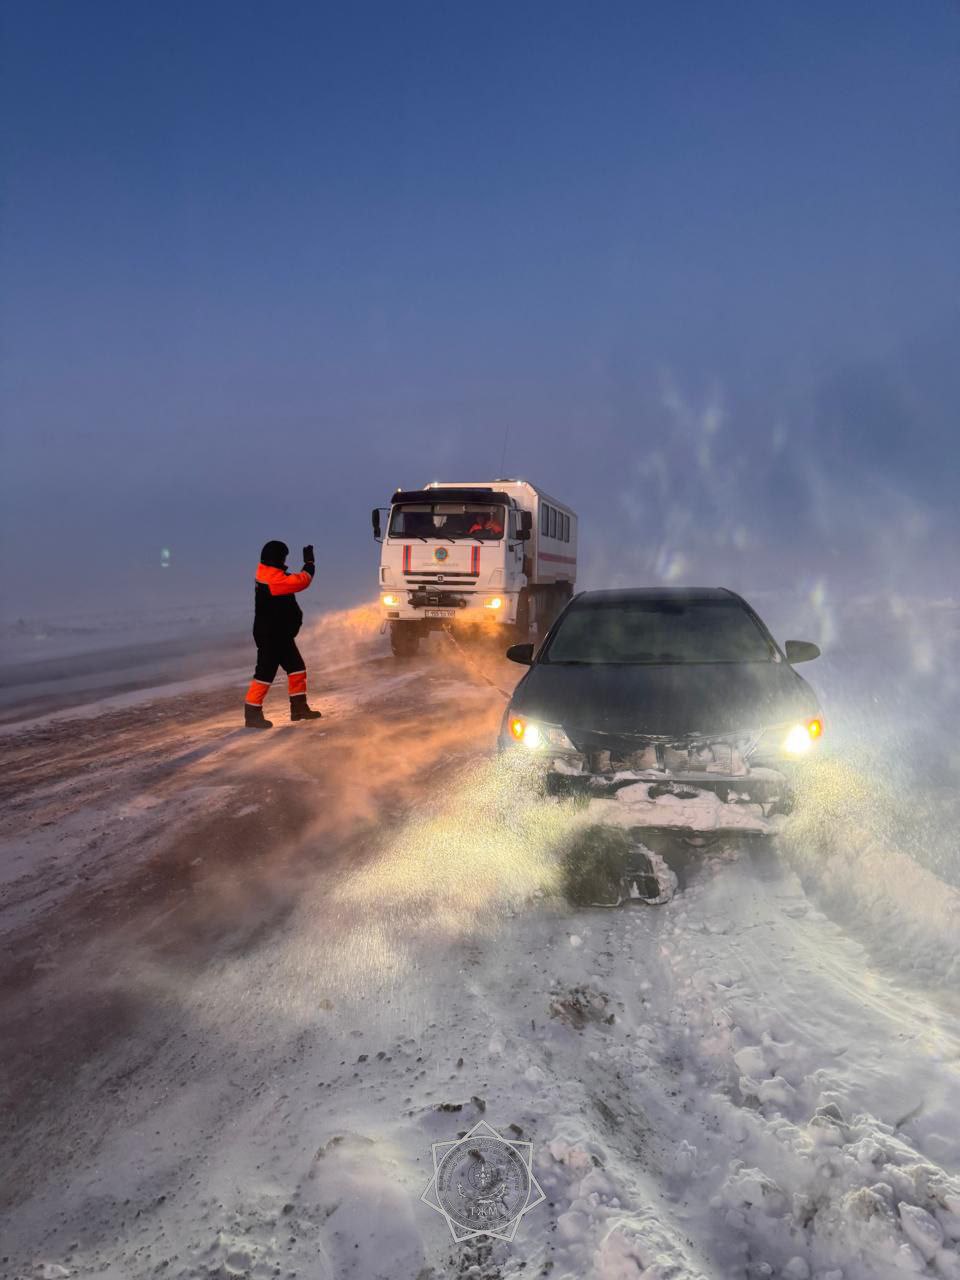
{"x": 750, "y": 803}
{"x": 692, "y": 786}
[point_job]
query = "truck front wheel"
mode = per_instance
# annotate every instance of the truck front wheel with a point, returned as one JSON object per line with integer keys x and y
{"x": 404, "y": 639}
{"x": 521, "y": 628}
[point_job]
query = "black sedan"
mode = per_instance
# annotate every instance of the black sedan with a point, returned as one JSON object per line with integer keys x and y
{"x": 676, "y": 687}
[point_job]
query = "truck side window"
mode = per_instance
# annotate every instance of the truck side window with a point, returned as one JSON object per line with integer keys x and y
{"x": 544, "y": 518}
{"x": 553, "y": 522}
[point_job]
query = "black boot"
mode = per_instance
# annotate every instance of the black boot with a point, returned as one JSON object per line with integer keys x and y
{"x": 299, "y": 709}
{"x": 253, "y": 717}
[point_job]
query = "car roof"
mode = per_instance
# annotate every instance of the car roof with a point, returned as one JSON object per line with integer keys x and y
{"x": 651, "y": 594}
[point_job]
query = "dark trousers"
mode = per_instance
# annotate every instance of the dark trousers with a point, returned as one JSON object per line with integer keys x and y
{"x": 272, "y": 654}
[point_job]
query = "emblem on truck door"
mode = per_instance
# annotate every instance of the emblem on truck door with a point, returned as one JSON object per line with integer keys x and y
{"x": 441, "y": 554}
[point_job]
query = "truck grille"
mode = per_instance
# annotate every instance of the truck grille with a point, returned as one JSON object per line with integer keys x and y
{"x": 431, "y": 576}
{"x": 441, "y": 581}
{"x": 424, "y": 598}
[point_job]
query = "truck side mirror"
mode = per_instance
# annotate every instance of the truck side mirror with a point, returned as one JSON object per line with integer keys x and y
{"x": 526, "y": 522}
{"x": 375, "y": 517}
{"x": 800, "y": 651}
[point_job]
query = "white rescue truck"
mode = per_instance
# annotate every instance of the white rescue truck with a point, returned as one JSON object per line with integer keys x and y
{"x": 496, "y": 553}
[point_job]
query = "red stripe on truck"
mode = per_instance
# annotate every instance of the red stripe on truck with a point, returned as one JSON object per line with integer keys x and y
{"x": 406, "y": 559}
{"x": 475, "y": 560}
{"x": 548, "y": 555}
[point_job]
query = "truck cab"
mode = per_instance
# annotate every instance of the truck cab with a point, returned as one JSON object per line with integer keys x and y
{"x": 496, "y": 556}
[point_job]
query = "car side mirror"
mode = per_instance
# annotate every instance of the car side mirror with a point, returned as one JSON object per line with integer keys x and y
{"x": 375, "y": 518}
{"x": 522, "y": 653}
{"x": 801, "y": 651}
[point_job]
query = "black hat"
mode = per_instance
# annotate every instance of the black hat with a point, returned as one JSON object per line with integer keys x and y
{"x": 274, "y": 554}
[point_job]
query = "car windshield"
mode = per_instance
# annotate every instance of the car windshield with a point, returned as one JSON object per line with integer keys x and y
{"x": 447, "y": 520}
{"x": 658, "y": 631}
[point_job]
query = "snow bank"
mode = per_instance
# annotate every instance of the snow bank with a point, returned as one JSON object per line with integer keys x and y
{"x": 851, "y": 842}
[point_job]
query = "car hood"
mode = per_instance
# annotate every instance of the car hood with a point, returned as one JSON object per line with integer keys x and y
{"x": 680, "y": 699}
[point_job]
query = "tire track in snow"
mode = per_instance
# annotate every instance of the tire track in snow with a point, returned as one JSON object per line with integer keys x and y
{"x": 822, "y": 1094}
{"x": 747, "y": 1177}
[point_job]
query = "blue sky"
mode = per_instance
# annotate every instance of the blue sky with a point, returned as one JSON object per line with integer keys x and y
{"x": 260, "y": 264}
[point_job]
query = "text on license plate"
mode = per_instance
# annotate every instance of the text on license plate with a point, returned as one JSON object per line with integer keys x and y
{"x": 439, "y": 613}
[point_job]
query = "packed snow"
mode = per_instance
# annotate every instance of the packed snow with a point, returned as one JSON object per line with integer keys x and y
{"x": 758, "y": 1078}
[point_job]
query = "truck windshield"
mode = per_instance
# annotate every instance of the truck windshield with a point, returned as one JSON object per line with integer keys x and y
{"x": 660, "y": 631}
{"x": 447, "y": 521}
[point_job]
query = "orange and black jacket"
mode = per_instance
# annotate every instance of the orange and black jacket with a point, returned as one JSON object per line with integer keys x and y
{"x": 276, "y": 614}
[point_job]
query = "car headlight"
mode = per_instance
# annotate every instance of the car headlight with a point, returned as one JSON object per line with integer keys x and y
{"x": 802, "y": 736}
{"x": 538, "y": 735}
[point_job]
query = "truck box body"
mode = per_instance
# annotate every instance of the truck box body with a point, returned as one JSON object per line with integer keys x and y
{"x": 459, "y": 552}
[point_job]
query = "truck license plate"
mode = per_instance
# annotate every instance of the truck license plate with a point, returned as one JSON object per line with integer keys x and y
{"x": 439, "y": 613}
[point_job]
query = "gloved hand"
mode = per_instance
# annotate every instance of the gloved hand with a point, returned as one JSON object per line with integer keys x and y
{"x": 308, "y": 554}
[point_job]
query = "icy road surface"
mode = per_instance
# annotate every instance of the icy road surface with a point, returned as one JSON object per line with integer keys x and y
{"x": 248, "y": 980}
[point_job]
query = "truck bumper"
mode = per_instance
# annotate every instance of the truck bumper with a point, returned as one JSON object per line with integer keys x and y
{"x": 465, "y": 611}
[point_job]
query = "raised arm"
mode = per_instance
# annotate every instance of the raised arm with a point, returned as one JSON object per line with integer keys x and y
{"x": 282, "y": 583}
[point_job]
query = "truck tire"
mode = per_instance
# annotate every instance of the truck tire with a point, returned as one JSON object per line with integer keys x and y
{"x": 563, "y": 594}
{"x": 521, "y": 628}
{"x": 404, "y": 639}
{"x": 549, "y": 603}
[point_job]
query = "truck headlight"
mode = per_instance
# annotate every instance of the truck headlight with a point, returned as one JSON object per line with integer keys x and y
{"x": 492, "y": 602}
{"x": 536, "y": 735}
{"x": 391, "y": 602}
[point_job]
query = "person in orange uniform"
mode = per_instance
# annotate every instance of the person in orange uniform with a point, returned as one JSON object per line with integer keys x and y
{"x": 276, "y": 621}
{"x": 486, "y": 525}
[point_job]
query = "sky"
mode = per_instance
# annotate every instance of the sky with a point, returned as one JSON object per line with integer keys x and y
{"x": 691, "y": 267}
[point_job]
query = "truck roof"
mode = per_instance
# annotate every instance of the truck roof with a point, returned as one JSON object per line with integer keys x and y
{"x": 503, "y": 484}
{"x": 454, "y": 493}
